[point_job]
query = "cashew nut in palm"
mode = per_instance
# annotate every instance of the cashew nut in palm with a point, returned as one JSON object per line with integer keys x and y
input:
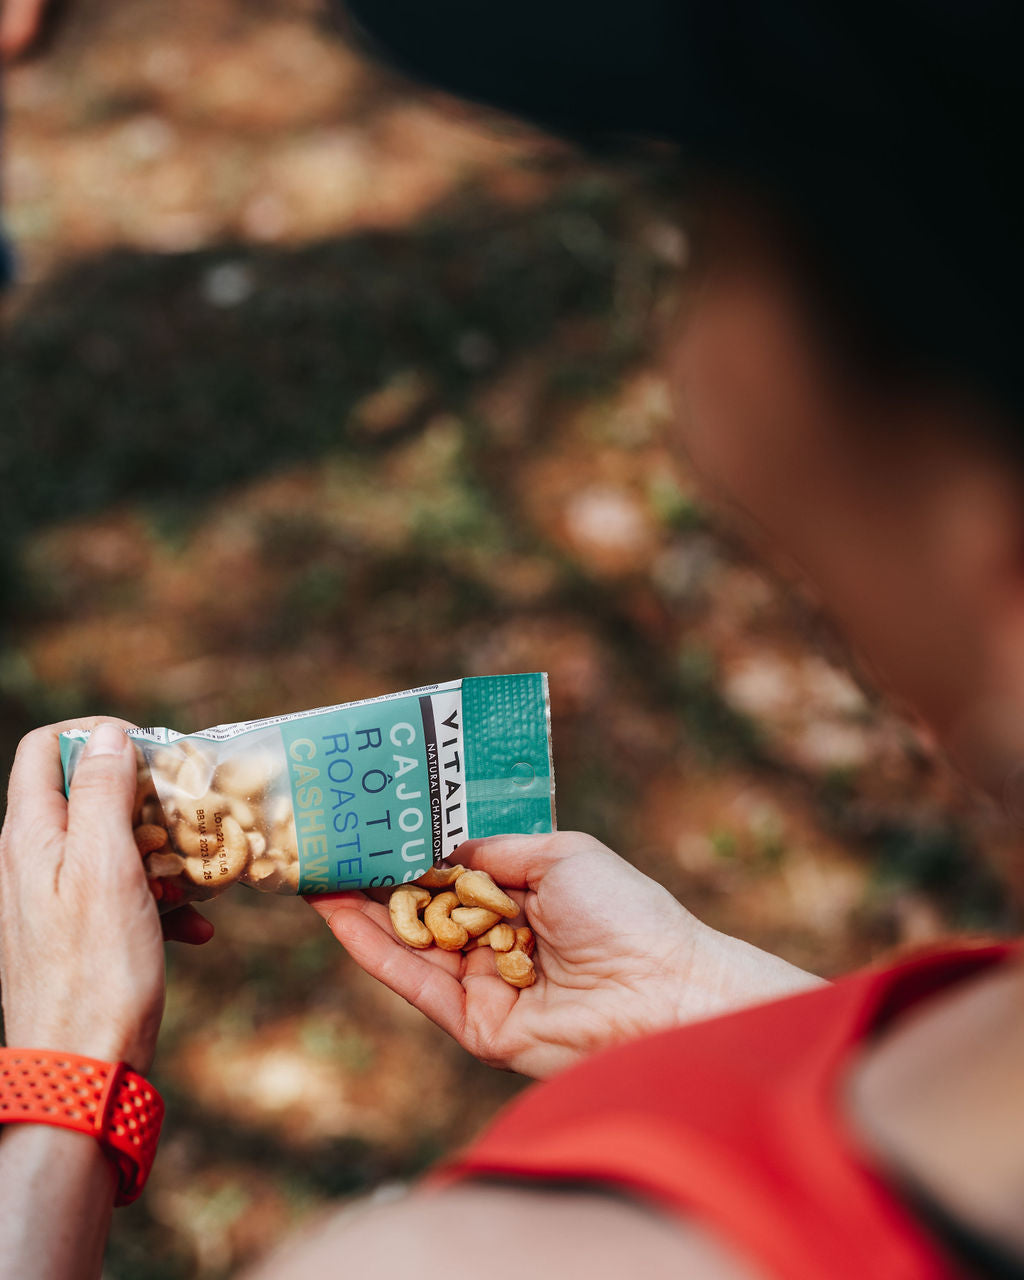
{"x": 516, "y": 968}
{"x": 475, "y": 920}
{"x": 448, "y": 935}
{"x": 405, "y": 905}
{"x": 500, "y": 937}
{"x": 477, "y": 889}
{"x": 441, "y": 877}
{"x": 466, "y": 927}
{"x": 525, "y": 941}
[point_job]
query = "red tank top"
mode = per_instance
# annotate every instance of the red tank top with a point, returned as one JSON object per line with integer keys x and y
{"x": 737, "y": 1123}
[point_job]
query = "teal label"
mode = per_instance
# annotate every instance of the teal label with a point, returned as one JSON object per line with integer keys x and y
{"x": 377, "y": 791}
{"x": 361, "y": 781}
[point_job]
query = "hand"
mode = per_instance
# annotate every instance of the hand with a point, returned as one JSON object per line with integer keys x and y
{"x": 617, "y": 957}
{"x": 81, "y": 957}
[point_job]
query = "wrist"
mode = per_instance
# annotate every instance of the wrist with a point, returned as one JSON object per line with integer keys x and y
{"x": 107, "y": 1102}
{"x": 86, "y": 1037}
{"x": 737, "y": 974}
{"x": 40, "y": 1148}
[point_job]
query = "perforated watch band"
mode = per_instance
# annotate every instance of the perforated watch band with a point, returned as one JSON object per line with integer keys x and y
{"x": 107, "y": 1100}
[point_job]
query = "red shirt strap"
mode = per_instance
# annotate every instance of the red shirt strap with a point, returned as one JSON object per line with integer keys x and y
{"x": 739, "y": 1122}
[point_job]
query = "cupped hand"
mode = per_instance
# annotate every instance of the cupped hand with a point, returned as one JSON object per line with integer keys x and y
{"x": 617, "y": 957}
{"x": 81, "y": 954}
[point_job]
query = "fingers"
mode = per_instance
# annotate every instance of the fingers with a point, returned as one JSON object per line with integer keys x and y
{"x": 429, "y": 980}
{"x": 100, "y": 807}
{"x": 185, "y": 924}
{"x": 37, "y": 812}
{"x": 521, "y": 862}
{"x": 325, "y": 904}
{"x": 37, "y": 768}
{"x": 103, "y": 787}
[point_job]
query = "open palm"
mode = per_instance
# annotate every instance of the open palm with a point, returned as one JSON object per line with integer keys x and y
{"x": 617, "y": 957}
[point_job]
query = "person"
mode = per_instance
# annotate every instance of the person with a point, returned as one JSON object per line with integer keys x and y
{"x": 846, "y": 376}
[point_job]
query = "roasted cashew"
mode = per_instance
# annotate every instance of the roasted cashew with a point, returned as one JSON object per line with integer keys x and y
{"x": 440, "y": 877}
{"x": 192, "y": 843}
{"x": 233, "y": 818}
{"x": 201, "y": 811}
{"x": 405, "y": 906}
{"x": 500, "y": 937}
{"x": 242, "y": 812}
{"x": 226, "y": 820}
{"x": 145, "y": 795}
{"x": 525, "y": 940}
{"x": 195, "y": 776}
{"x": 477, "y": 889}
{"x": 165, "y": 761}
{"x": 282, "y": 836}
{"x": 448, "y": 935}
{"x": 273, "y": 873}
{"x": 151, "y": 814}
{"x": 149, "y": 838}
{"x": 164, "y": 863}
{"x": 247, "y": 774}
{"x": 475, "y": 920}
{"x": 265, "y": 873}
{"x": 223, "y": 862}
{"x": 516, "y": 968}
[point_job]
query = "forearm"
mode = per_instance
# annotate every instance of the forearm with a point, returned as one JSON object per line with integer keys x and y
{"x": 56, "y": 1197}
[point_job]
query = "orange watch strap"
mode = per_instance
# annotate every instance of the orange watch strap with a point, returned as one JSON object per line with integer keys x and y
{"x": 107, "y": 1100}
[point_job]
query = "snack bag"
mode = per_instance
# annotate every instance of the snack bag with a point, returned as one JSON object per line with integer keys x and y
{"x": 365, "y": 794}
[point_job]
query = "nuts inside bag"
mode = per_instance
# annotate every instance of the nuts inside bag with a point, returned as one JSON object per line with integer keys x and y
{"x": 209, "y": 813}
{"x": 362, "y": 795}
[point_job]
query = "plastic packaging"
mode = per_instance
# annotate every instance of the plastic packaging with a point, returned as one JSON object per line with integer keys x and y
{"x": 362, "y": 795}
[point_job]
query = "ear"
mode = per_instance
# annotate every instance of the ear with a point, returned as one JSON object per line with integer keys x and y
{"x": 970, "y": 502}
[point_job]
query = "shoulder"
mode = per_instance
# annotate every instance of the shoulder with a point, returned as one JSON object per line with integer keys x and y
{"x": 504, "y": 1232}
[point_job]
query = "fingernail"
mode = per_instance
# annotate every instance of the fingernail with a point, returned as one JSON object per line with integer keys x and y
{"x": 105, "y": 740}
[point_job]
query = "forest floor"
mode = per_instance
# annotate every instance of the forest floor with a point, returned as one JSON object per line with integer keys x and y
{"x": 315, "y": 388}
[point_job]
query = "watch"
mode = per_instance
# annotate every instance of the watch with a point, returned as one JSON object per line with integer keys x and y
{"x": 107, "y": 1100}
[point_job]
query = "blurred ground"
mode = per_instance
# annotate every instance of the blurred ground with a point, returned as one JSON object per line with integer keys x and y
{"x": 315, "y": 391}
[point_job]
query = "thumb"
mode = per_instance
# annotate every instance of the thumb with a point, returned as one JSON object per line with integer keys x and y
{"x": 521, "y": 862}
{"x": 103, "y": 786}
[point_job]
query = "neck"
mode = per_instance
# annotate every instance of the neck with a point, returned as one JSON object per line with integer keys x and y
{"x": 940, "y": 1100}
